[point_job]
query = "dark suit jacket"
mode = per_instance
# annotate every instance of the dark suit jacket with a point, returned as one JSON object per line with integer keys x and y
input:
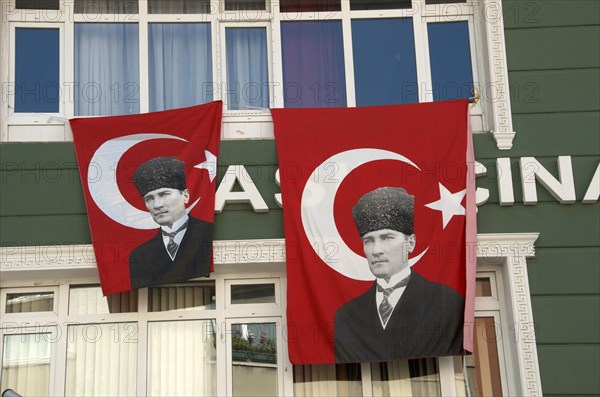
{"x": 150, "y": 264}
{"x": 426, "y": 322}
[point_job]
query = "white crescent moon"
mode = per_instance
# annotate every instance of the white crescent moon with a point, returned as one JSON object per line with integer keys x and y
{"x": 318, "y": 197}
{"x": 102, "y": 181}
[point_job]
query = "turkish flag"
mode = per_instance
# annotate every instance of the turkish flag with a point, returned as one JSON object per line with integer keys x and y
{"x": 407, "y": 173}
{"x": 130, "y": 218}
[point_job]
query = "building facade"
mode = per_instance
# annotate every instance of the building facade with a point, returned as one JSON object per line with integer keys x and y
{"x": 532, "y": 70}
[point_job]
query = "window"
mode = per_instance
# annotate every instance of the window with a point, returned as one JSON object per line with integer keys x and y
{"x": 115, "y": 57}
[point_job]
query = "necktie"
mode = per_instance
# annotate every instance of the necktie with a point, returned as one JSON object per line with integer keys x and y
{"x": 385, "y": 308}
{"x": 172, "y": 246}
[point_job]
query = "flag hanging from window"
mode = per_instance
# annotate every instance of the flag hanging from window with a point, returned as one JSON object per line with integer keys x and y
{"x": 379, "y": 219}
{"x": 149, "y": 186}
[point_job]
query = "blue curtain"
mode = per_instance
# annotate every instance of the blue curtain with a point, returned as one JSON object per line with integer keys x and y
{"x": 180, "y": 69}
{"x": 247, "y": 69}
{"x": 313, "y": 64}
{"x": 106, "y": 69}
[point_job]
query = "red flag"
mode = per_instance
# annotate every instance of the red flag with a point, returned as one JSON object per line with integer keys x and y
{"x": 376, "y": 201}
{"x": 149, "y": 186}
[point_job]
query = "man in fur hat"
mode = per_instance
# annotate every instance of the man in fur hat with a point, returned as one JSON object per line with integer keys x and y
{"x": 402, "y": 315}
{"x": 182, "y": 249}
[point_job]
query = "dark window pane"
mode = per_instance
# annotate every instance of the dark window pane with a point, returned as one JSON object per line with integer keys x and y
{"x": 179, "y": 7}
{"x": 30, "y": 302}
{"x": 37, "y": 70}
{"x": 309, "y": 5}
{"x": 450, "y": 58}
{"x": 37, "y": 5}
{"x": 232, "y": 5}
{"x": 313, "y": 64}
{"x": 385, "y": 68}
{"x": 253, "y": 293}
{"x": 379, "y": 4}
{"x": 106, "y": 6}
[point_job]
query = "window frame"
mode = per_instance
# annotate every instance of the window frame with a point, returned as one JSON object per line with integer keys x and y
{"x": 486, "y": 40}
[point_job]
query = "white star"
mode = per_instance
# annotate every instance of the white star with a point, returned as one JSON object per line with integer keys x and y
{"x": 449, "y": 204}
{"x": 210, "y": 164}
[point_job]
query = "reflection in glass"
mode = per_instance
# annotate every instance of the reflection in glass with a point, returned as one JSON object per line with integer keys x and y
{"x": 179, "y": 7}
{"x": 483, "y": 287}
{"x": 411, "y": 378}
{"x": 182, "y": 358}
{"x": 309, "y": 5}
{"x": 101, "y": 360}
{"x": 30, "y": 302}
{"x": 327, "y": 380}
{"x": 26, "y": 364}
{"x": 182, "y": 297}
{"x": 379, "y": 4}
{"x": 95, "y": 7}
{"x": 254, "y": 357}
{"x": 89, "y": 300}
{"x": 252, "y": 293}
{"x": 245, "y": 5}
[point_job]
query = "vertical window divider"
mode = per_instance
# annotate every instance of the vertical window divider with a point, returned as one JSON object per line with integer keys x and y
{"x": 277, "y": 51}
{"x": 348, "y": 54}
{"x": 68, "y": 62}
{"x": 217, "y": 71}
{"x": 142, "y": 342}
{"x": 220, "y": 293}
{"x": 144, "y": 60}
{"x": 422, "y": 52}
{"x": 59, "y": 360}
{"x": 447, "y": 382}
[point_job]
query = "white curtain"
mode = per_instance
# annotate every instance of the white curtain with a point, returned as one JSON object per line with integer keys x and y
{"x": 89, "y": 300}
{"x": 180, "y": 65}
{"x": 181, "y": 358}
{"x": 26, "y": 364}
{"x": 327, "y": 380}
{"x": 414, "y": 378}
{"x": 102, "y": 360}
{"x": 106, "y": 69}
{"x": 181, "y": 298}
{"x": 247, "y": 70}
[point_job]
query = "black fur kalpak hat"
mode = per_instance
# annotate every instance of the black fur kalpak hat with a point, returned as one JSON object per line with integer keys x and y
{"x": 160, "y": 172}
{"x": 385, "y": 208}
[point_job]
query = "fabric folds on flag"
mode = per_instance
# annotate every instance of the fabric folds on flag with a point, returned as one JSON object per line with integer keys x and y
{"x": 379, "y": 220}
{"x": 149, "y": 186}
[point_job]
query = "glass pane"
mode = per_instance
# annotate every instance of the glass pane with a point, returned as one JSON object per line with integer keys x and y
{"x": 29, "y": 303}
{"x": 102, "y": 360}
{"x": 450, "y": 58}
{"x": 385, "y": 67}
{"x": 409, "y": 378}
{"x": 483, "y": 287}
{"x": 254, "y": 356}
{"x": 253, "y": 293}
{"x": 327, "y": 380}
{"x": 37, "y": 70}
{"x": 26, "y": 364}
{"x": 180, "y": 65}
{"x": 313, "y": 64}
{"x": 89, "y": 300}
{"x": 37, "y": 5}
{"x": 232, "y": 5}
{"x": 190, "y": 297}
{"x": 182, "y": 358}
{"x": 483, "y": 367}
{"x": 95, "y": 7}
{"x": 247, "y": 69}
{"x": 309, "y": 5}
{"x": 379, "y": 4}
{"x": 179, "y": 7}
{"x": 106, "y": 69}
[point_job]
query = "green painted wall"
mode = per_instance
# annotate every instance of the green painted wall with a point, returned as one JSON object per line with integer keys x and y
{"x": 553, "y": 50}
{"x": 554, "y": 71}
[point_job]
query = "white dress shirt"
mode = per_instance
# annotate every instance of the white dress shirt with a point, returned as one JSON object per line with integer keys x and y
{"x": 178, "y": 237}
{"x": 394, "y": 296}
